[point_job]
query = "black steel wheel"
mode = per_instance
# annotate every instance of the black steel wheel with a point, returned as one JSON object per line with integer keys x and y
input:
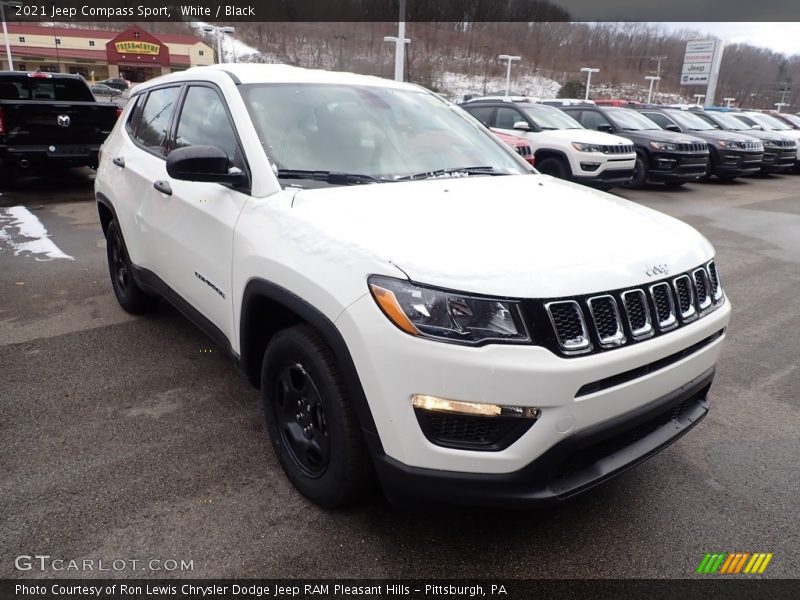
{"x": 311, "y": 421}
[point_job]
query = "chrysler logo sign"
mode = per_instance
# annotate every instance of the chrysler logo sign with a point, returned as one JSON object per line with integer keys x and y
{"x": 63, "y": 120}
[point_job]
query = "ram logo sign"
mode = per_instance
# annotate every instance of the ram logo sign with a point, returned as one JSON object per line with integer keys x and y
{"x": 734, "y": 563}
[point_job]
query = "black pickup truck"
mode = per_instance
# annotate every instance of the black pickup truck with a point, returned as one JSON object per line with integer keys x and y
{"x": 50, "y": 119}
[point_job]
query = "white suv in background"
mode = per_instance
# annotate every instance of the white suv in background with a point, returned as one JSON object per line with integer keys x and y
{"x": 413, "y": 300}
{"x": 562, "y": 147}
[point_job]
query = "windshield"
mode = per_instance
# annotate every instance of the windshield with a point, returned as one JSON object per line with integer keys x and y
{"x": 630, "y": 120}
{"x": 379, "y": 133}
{"x": 794, "y": 119}
{"x": 548, "y": 117}
{"x": 730, "y": 122}
{"x": 769, "y": 122}
{"x": 689, "y": 121}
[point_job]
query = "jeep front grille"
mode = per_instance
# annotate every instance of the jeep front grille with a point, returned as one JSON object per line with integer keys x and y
{"x": 600, "y": 322}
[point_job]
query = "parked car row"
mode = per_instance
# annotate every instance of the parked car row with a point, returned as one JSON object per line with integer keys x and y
{"x": 643, "y": 144}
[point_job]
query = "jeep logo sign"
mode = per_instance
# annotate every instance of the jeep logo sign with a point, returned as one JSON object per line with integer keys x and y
{"x": 654, "y": 270}
{"x": 63, "y": 120}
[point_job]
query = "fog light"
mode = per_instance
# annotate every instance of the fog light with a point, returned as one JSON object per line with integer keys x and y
{"x": 587, "y": 166}
{"x": 478, "y": 409}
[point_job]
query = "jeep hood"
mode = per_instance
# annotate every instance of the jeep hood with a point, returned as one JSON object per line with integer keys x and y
{"x": 515, "y": 236}
{"x": 583, "y": 136}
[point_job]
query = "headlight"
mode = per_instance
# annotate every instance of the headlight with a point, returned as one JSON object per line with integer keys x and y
{"x": 770, "y": 144}
{"x": 448, "y": 316}
{"x": 729, "y": 144}
{"x": 664, "y": 145}
{"x": 587, "y": 147}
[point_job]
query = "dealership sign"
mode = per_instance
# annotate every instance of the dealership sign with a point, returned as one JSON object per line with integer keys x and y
{"x": 138, "y": 47}
{"x": 697, "y": 62}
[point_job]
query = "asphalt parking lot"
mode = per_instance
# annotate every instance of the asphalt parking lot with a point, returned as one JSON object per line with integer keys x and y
{"x": 136, "y": 438}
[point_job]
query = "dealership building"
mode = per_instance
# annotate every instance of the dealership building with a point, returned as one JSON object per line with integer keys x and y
{"x": 133, "y": 54}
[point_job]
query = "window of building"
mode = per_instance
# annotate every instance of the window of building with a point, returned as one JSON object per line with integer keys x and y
{"x": 58, "y": 41}
{"x": 91, "y": 43}
{"x": 137, "y": 35}
{"x": 201, "y": 52}
{"x": 22, "y": 39}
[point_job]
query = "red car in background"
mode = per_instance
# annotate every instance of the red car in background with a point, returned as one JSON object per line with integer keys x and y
{"x": 518, "y": 144}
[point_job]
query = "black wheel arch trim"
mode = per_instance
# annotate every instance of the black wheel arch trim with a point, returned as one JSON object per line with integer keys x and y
{"x": 260, "y": 288}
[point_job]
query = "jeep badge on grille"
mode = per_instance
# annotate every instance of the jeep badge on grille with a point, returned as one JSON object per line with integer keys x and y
{"x": 654, "y": 270}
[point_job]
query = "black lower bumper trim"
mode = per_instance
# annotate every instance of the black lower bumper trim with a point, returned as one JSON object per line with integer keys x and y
{"x": 580, "y": 462}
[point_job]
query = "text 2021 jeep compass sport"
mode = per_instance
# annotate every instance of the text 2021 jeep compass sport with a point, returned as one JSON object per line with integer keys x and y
{"x": 413, "y": 299}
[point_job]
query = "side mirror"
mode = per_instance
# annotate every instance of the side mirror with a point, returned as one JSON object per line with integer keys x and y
{"x": 605, "y": 128}
{"x": 521, "y": 126}
{"x": 203, "y": 163}
{"x": 673, "y": 127}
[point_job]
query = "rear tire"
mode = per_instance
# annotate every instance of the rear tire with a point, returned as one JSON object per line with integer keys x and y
{"x": 129, "y": 295}
{"x": 311, "y": 421}
{"x": 555, "y": 167}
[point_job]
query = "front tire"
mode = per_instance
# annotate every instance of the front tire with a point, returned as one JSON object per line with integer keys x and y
{"x": 311, "y": 421}
{"x": 640, "y": 173}
{"x": 554, "y": 167}
{"x": 129, "y": 295}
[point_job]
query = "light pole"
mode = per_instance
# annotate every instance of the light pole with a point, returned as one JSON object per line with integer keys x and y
{"x": 588, "y": 71}
{"x": 728, "y": 102}
{"x": 3, "y": 4}
{"x": 658, "y": 59}
{"x": 400, "y": 42}
{"x": 780, "y": 105}
{"x": 652, "y": 78}
{"x": 218, "y": 32}
{"x": 510, "y": 59}
{"x": 699, "y": 98}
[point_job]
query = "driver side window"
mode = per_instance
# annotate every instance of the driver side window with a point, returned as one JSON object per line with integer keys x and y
{"x": 506, "y": 117}
{"x": 660, "y": 120}
{"x": 593, "y": 120}
{"x": 204, "y": 122}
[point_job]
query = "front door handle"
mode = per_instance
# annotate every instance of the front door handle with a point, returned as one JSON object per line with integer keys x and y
{"x": 119, "y": 161}
{"x": 163, "y": 186}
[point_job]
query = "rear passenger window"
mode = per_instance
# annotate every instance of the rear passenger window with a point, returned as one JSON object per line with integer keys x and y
{"x": 204, "y": 122}
{"x": 151, "y": 131}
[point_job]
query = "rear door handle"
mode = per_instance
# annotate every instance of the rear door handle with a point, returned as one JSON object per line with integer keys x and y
{"x": 163, "y": 186}
{"x": 119, "y": 161}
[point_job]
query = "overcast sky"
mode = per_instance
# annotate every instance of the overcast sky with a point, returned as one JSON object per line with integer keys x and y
{"x": 781, "y": 37}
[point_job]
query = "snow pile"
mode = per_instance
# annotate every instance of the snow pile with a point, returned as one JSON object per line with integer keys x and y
{"x": 457, "y": 85}
{"x": 233, "y": 49}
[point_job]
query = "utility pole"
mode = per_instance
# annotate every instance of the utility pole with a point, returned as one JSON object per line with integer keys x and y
{"x": 341, "y": 37}
{"x": 510, "y": 59}
{"x": 658, "y": 59}
{"x": 589, "y": 71}
{"x": 399, "y": 43}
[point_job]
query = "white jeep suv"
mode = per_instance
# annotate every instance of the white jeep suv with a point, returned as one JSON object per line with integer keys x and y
{"x": 414, "y": 301}
{"x": 561, "y": 146}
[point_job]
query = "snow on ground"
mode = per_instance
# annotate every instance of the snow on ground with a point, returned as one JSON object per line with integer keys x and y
{"x": 233, "y": 49}
{"x": 30, "y": 236}
{"x": 456, "y": 85}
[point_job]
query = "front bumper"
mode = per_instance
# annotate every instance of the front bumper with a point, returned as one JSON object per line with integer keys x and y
{"x": 778, "y": 160}
{"x": 734, "y": 163}
{"x": 677, "y": 166}
{"x": 603, "y": 169}
{"x": 569, "y": 468}
{"x": 393, "y": 366}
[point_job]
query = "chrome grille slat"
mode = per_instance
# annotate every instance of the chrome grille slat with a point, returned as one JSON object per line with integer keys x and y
{"x": 664, "y": 303}
{"x": 685, "y": 295}
{"x": 713, "y": 277}
{"x": 569, "y": 325}
{"x": 638, "y": 314}
{"x": 607, "y": 322}
{"x": 702, "y": 288}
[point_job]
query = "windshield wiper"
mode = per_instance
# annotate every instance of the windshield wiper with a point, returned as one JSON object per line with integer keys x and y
{"x": 332, "y": 177}
{"x": 451, "y": 171}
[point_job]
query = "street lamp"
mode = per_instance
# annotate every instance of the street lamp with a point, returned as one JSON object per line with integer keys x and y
{"x": 780, "y": 105}
{"x": 699, "y": 98}
{"x": 728, "y": 102}
{"x": 652, "y": 78}
{"x": 218, "y": 32}
{"x": 588, "y": 71}
{"x": 510, "y": 59}
{"x": 400, "y": 41}
{"x": 3, "y": 4}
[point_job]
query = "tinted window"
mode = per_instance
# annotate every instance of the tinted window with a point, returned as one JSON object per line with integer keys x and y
{"x": 659, "y": 119}
{"x": 506, "y": 117}
{"x": 482, "y": 113}
{"x": 204, "y": 122}
{"x": 547, "y": 117}
{"x": 44, "y": 87}
{"x": 592, "y": 119}
{"x": 156, "y": 114}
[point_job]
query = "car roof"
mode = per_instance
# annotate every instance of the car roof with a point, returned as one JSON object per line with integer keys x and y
{"x": 247, "y": 73}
